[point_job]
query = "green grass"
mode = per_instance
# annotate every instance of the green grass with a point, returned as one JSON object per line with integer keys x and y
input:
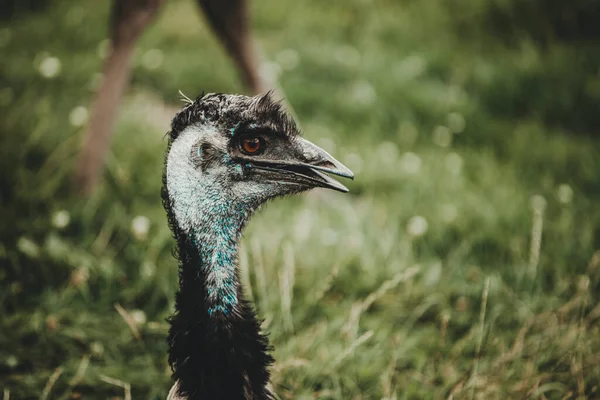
{"x": 498, "y": 298}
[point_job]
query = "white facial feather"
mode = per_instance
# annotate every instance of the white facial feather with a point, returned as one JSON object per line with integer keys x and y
{"x": 203, "y": 211}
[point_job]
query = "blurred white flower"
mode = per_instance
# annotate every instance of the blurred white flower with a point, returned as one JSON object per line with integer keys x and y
{"x": 49, "y": 67}
{"x": 97, "y": 349}
{"x": 448, "y": 212}
{"x": 138, "y": 316}
{"x": 454, "y": 163}
{"x": 148, "y": 269}
{"x": 28, "y": 247}
{"x": 564, "y": 193}
{"x": 417, "y": 226}
{"x": 538, "y": 202}
{"x": 363, "y": 93}
{"x": 140, "y": 226}
{"x": 329, "y": 237}
{"x": 410, "y": 68}
{"x": 78, "y": 116}
{"x": 410, "y": 163}
{"x": 11, "y": 361}
{"x": 347, "y": 55}
{"x": 442, "y": 136}
{"x": 433, "y": 274}
{"x": 153, "y": 59}
{"x": 288, "y": 59}
{"x": 456, "y": 122}
{"x": 61, "y": 219}
{"x": 269, "y": 71}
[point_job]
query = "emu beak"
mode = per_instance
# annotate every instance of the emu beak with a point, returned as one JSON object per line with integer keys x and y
{"x": 319, "y": 163}
{"x": 309, "y": 166}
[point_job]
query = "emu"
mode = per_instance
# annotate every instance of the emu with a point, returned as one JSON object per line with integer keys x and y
{"x": 226, "y": 156}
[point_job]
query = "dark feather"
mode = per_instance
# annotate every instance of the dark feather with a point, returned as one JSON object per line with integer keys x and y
{"x": 226, "y": 112}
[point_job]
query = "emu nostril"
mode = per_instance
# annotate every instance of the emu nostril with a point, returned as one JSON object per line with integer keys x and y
{"x": 324, "y": 164}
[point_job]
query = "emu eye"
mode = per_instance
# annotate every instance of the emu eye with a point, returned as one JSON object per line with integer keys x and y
{"x": 252, "y": 145}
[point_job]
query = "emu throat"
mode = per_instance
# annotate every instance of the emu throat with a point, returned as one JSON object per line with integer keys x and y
{"x": 217, "y": 246}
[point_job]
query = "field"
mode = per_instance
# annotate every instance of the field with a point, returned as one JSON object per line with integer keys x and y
{"x": 464, "y": 263}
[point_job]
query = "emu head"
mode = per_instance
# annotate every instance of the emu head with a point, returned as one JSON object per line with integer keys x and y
{"x": 229, "y": 154}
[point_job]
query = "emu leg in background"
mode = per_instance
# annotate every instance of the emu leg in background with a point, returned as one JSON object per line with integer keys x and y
{"x": 230, "y": 19}
{"x": 129, "y": 19}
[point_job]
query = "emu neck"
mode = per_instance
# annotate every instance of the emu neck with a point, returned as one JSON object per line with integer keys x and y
{"x": 216, "y": 349}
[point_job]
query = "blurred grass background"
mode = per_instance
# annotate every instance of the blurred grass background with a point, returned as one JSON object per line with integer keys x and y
{"x": 465, "y": 262}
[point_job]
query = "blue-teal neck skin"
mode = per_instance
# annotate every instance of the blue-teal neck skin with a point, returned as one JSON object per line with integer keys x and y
{"x": 216, "y": 240}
